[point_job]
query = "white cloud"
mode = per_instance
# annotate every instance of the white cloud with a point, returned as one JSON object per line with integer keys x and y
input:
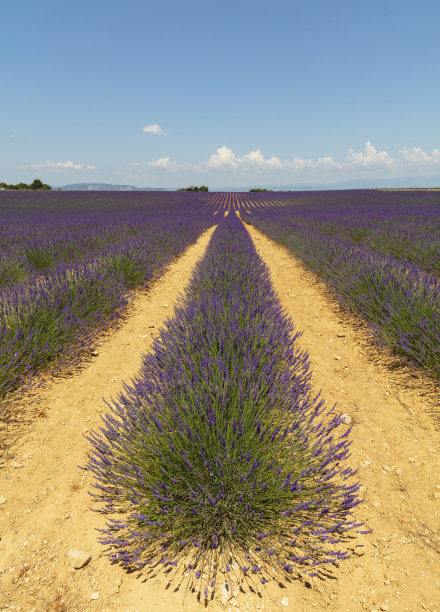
{"x": 165, "y": 164}
{"x": 370, "y": 157}
{"x": 154, "y": 128}
{"x": 255, "y": 158}
{"x": 224, "y": 158}
{"x": 322, "y": 163}
{"x": 416, "y": 155}
{"x": 67, "y": 165}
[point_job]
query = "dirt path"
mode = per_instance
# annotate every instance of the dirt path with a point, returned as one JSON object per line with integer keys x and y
{"x": 46, "y": 512}
{"x": 395, "y": 443}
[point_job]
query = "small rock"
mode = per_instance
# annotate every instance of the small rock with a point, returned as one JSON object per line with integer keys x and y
{"x": 94, "y": 353}
{"x": 436, "y": 495}
{"x": 165, "y": 305}
{"x": 145, "y": 336}
{"x": 3, "y": 500}
{"x": 225, "y": 592}
{"x": 78, "y": 558}
{"x": 85, "y": 429}
{"x": 345, "y": 418}
{"x": 337, "y": 357}
{"x": 340, "y": 335}
{"x": 94, "y": 595}
{"x": 16, "y": 464}
{"x": 387, "y": 468}
{"x": 285, "y": 602}
{"x": 385, "y": 607}
{"x": 359, "y": 546}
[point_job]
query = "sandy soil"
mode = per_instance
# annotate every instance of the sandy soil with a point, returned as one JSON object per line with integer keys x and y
{"x": 396, "y": 445}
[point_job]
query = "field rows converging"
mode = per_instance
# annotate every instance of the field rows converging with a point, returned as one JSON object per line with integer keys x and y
{"x": 233, "y": 439}
{"x": 221, "y": 202}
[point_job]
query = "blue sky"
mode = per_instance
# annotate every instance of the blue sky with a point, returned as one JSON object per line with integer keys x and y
{"x": 230, "y": 93}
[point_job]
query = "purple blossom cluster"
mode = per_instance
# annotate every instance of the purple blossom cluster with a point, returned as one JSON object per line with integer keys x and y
{"x": 399, "y": 299}
{"x": 68, "y": 265}
{"x": 218, "y": 456}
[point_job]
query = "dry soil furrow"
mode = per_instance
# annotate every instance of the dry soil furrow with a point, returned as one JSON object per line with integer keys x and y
{"x": 47, "y": 508}
{"x": 395, "y": 444}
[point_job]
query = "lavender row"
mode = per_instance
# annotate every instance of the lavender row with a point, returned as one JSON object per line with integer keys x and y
{"x": 218, "y": 456}
{"x": 399, "y": 301}
{"x": 50, "y": 322}
{"x": 403, "y": 226}
{"x": 42, "y": 234}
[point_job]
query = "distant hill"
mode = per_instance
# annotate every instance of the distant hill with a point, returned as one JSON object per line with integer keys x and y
{"x": 106, "y": 187}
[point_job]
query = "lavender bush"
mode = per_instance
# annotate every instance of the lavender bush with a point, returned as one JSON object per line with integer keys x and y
{"x": 218, "y": 456}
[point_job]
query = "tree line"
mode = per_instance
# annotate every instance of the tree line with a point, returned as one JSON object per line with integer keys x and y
{"x": 36, "y": 185}
{"x": 192, "y": 188}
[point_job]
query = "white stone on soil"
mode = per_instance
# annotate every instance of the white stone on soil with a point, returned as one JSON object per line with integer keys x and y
{"x": 78, "y": 558}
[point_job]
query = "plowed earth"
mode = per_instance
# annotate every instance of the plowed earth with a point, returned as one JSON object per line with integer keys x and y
{"x": 395, "y": 443}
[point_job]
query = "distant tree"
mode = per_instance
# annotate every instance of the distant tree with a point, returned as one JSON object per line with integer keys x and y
{"x": 259, "y": 189}
{"x": 192, "y": 188}
{"x": 38, "y": 185}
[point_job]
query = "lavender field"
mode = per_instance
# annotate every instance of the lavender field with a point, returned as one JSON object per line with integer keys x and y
{"x": 221, "y": 462}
